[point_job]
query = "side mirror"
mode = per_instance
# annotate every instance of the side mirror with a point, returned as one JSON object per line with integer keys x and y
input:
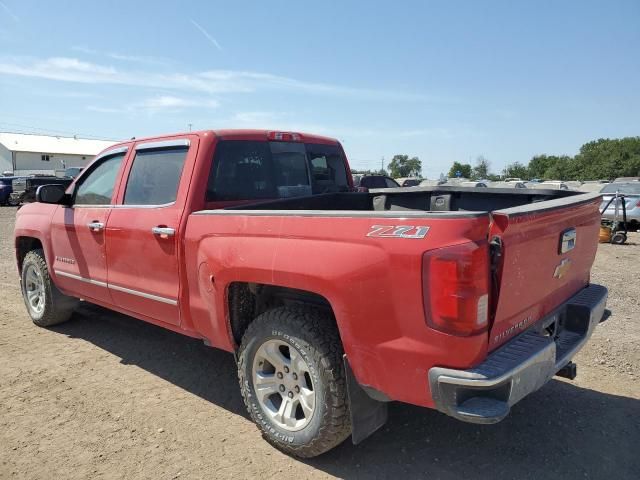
{"x": 52, "y": 194}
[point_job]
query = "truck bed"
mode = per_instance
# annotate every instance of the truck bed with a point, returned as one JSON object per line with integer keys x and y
{"x": 424, "y": 199}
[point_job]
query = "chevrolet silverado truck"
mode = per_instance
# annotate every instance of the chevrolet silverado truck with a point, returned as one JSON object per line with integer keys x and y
{"x": 334, "y": 302}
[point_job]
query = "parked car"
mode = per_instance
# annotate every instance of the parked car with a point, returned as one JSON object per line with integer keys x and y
{"x": 631, "y": 192}
{"x": 473, "y": 184}
{"x": 367, "y": 182}
{"x": 430, "y": 183}
{"x": 592, "y": 186}
{"x": 549, "y": 185}
{"x": 71, "y": 172}
{"x": 408, "y": 182}
{"x": 512, "y": 184}
{"x": 334, "y": 304}
{"x": 24, "y": 188}
{"x": 6, "y": 188}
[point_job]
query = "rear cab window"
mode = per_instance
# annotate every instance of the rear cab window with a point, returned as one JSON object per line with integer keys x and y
{"x": 262, "y": 170}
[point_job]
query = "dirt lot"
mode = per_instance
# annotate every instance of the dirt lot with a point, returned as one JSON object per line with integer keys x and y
{"x": 107, "y": 396}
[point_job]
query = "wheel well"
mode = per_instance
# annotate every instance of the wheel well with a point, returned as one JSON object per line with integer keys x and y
{"x": 23, "y": 246}
{"x": 248, "y": 300}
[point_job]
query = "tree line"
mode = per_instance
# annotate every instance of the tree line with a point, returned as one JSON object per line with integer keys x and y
{"x": 602, "y": 159}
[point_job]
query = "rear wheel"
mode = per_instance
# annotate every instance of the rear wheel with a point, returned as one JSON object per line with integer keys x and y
{"x": 292, "y": 380}
{"x": 46, "y": 305}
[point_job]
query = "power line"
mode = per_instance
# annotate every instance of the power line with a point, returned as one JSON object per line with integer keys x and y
{"x": 51, "y": 132}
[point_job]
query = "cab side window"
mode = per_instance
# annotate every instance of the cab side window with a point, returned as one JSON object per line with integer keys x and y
{"x": 155, "y": 176}
{"x": 96, "y": 188}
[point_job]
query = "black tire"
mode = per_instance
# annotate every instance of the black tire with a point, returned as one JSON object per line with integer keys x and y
{"x": 57, "y": 306}
{"x": 618, "y": 238}
{"x": 314, "y": 336}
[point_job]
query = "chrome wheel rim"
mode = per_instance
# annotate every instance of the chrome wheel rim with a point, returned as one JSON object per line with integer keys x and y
{"x": 34, "y": 289}
{"x": 283, "y": 385}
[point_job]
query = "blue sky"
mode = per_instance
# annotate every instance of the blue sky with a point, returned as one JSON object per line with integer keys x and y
{"x": 446, "y": 80}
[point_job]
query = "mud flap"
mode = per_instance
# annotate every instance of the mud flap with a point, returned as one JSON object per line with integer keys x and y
{"x": 367, "y": 414}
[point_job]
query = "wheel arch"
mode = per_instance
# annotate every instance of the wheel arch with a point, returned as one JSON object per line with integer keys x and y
{"x": 247, "y": 300}
{"x": 24, "y": 245}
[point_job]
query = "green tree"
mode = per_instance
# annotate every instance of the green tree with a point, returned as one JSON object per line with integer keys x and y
{"x": 609, "y": 158}
{"x": 539, "y": 165}
{"x": 463, "y": 168}
{"x": 481, "y": 168}
{"x": 600, "y": 159}
{"x": 517, "y": 170}
{"x": 403, "y": 166}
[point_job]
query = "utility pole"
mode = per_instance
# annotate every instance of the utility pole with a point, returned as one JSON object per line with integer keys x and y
{"x": 190, "y": 125}
{"x": 381, "y": 164}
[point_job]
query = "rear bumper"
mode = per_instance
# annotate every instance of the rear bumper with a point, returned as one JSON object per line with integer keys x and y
{"x": 485, "y": 394}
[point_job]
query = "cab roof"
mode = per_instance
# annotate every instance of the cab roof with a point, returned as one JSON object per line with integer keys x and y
{"x": 237, "y": 134}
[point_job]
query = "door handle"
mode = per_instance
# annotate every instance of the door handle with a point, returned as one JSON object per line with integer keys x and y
{"x": 96, "y": 226}
{"x": 163, "y": 232}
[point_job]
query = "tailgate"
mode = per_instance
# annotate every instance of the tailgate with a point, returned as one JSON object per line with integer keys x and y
{"x": 546, "y": 250}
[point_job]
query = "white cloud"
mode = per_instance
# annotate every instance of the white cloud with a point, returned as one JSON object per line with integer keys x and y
{"x": 206, "y": 34}
{"x": 211, "y": 81}
{"x": 154, "y": 104}
{"x": 145, "y": 59}
{"x": 167, "y": 101}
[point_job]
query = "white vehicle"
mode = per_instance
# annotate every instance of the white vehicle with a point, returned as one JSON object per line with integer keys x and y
{"x": 551, "y": 185}
{"x": 513, "y": 184}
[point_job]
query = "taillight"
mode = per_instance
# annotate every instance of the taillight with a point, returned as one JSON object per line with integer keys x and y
{"x": 455, "y": 288}
{"x": 284, "y": 136}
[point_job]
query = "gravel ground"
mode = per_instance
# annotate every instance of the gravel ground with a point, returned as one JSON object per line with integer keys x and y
{"x": 107, "y": 396}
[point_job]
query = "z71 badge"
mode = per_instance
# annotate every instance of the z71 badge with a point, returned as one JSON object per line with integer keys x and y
{"x": 397, "y": 231}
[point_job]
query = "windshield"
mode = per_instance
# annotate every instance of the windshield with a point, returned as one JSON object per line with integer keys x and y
{"x": 626, "y": 188}
{"x": 247, "y": 170}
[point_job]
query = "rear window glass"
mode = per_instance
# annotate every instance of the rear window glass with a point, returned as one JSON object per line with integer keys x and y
{"x": 254, "y": 170}
{"x": 626, "y": 188}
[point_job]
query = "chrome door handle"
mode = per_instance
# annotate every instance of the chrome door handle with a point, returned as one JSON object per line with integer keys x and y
{"x": 96, "y": 226}
{"x": 163, "y": 232}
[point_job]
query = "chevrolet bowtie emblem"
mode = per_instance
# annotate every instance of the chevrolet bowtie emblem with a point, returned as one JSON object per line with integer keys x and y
{"x": 562, "y": 268}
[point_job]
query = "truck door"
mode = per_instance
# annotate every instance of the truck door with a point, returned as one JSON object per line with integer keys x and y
{"x": 143, "y": 231}
{"x": 77, "y": 232}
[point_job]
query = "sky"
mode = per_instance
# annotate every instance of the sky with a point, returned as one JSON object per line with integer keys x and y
{"x": 445, "y": 81}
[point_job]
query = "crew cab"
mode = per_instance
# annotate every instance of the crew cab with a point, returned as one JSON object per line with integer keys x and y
{"x": 334, "y": 302}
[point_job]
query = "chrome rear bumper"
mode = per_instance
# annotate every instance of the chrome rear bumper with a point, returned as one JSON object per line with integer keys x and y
{"x": 485, "y": 394}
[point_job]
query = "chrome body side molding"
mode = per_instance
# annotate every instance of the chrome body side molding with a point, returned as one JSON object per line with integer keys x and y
{"x": 169, "y": 301}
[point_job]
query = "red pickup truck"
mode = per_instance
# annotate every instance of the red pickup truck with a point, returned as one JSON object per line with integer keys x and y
{"x": 334, "y": 302}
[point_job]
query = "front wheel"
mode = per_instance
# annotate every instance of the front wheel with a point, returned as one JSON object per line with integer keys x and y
{"x": 46, "y": 305}
{"x": 293, "y": 382}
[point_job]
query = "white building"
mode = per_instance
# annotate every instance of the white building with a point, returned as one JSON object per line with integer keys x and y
{"x": 26, "y": 154}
